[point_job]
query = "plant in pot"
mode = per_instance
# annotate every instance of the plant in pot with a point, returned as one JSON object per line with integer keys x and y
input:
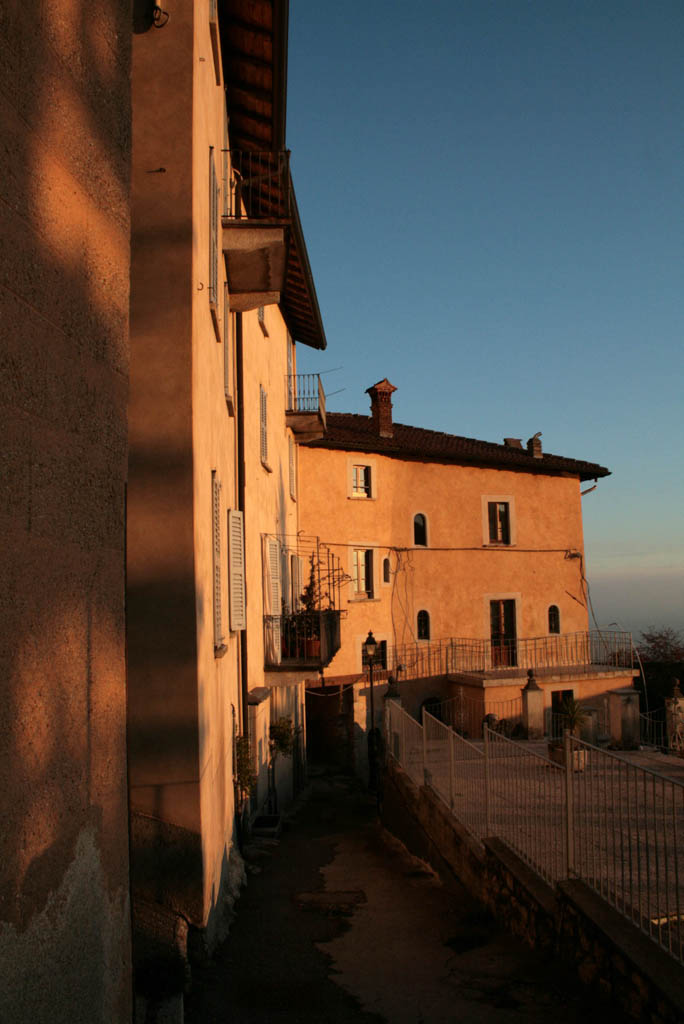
{"x": 573, "y": 716}
{"x": 310, "y": 602}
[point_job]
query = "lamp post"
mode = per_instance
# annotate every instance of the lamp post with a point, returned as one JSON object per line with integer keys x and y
{"x": 370, "y": 646}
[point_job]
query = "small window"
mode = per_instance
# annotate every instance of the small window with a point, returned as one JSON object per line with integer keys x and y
{"x": 361, "y": 481}
{"x": 499, "y": 522}
{"x": 380, "y": 657}
{"x": 423, "y": 625}
{"x": 385, "y": 570}
{"x": 420, "y": 530}
{"x": 292, "y": 468}
{"x": 216, "y": 552}
{"x": 362, "y": 572}
{"x": 554, "y": 619}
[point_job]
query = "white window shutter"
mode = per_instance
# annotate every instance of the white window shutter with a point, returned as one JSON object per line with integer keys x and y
{"x": 275, "y": 568}
{"x": 264, "y": 425}
{"x": 236, "y": 555}
{"x": 213, "y": 231}
{"x": 216, "y": 547}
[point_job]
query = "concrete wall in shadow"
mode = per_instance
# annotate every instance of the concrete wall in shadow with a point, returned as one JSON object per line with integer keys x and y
{"x": 64, "y": 288}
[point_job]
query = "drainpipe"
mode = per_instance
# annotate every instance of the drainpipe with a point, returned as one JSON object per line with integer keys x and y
{"x": 240, "y": 403}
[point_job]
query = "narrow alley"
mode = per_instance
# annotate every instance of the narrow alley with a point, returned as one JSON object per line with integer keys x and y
{"x": 340, "y": 923}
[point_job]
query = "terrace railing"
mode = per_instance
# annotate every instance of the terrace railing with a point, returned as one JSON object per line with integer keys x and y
{"x": 257, "y": 185}
{"x": 304, "y": 393}
{"x": 581, "y": 651}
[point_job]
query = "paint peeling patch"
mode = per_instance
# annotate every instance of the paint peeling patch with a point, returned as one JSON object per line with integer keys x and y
{"x": 73, "y": 961}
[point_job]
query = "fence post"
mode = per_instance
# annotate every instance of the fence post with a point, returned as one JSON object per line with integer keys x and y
{"x": 451, "y": 769}
{"x": 488, "y": 796}
{"x": 569, "y": 807}
{"x": 402, "y": 761}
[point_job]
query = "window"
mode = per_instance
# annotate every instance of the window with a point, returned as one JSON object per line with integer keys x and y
{"x": 213, "y": 236}
{"x": 216, "y": 559}
{"x": 292, "y": 468}
{"x": 380, "y": 657}
{"x": 362, "y": 572}
{"x": 361, "y": 482}
{"x": 420, "y": 530}
{"x": 499, "y": 522}
{"x": 236, "y": 568}
{"x": 385, "y": 570}
{"x": 423, "y": 625}
{"x": 554, "y": 619}
{"x": 263, "y": 425}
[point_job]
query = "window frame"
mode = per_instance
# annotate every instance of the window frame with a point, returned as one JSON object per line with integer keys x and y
{"x": 418, "y": 544}
{"x": 370, "y": 494}
{"x": 426, "y": 613}
{"x": 386, "y": 562}
{"x": 368, "y": 593}
{"x": 498, "y": 499}
{"x": 553, "y": 632}
{"x": 263, "y": 428}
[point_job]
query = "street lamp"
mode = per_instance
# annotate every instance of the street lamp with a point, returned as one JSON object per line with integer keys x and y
{"x": 370, "y": 646}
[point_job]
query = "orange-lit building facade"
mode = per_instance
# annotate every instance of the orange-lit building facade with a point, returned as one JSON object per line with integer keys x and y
{"x": 465, "y": 559}
{"x": 221, "y": 295}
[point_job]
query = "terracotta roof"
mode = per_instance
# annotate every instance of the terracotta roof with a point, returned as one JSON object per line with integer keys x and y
{"x": 350, "y": 432}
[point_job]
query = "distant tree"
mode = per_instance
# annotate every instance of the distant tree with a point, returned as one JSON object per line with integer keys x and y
{"x": 664, "y": 645}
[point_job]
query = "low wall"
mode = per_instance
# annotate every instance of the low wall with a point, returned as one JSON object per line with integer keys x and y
{"x": 570, "y": 921}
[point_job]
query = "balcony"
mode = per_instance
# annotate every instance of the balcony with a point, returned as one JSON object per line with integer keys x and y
{"x": 257, "y": 211}
{"x": 563, "y": 654}
{"x": 303, "y": 582}
{"x": 304, "y": 639}
{"x": 305, "y": 405}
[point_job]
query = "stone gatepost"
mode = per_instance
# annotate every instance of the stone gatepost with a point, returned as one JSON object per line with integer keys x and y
{"x": 589, "y": 727}
{"x": 623, "y": 718}
{"x": 674, "y": 717}
{"x": 533, "y": 708}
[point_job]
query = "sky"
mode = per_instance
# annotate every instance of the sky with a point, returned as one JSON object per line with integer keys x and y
{"x": 492, "y": 198}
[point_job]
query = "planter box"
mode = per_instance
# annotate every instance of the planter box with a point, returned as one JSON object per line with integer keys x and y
{"x": 579, "y": 757}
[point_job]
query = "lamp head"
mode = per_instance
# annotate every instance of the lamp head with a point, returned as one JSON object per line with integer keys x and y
{"x": 370, "y": 646}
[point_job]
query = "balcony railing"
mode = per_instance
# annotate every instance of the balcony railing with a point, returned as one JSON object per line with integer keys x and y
{"x": 580, "y": 652}
{"x": 302, "y": 639}
{"x": 257, "y": 185}
{"x": 305, "y": 397}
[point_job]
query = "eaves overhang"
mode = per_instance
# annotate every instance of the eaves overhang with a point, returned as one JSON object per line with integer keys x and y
{"x": 254, "y": 55}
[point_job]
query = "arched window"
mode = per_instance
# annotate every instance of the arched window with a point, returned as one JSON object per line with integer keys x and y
{"x": 385, "y": 570}
{"x": 423, "y": 625}
{"x": 420, "y": 530}
{"x": 554, "y": 619}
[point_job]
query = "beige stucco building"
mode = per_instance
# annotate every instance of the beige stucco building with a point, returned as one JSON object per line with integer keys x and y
{"x": 221, "y": 294}
{"x": 466, "y": 561}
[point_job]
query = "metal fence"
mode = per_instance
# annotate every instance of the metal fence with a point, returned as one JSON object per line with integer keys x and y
{"x": 579, "y": 651}
{"x": 594, "y": 816}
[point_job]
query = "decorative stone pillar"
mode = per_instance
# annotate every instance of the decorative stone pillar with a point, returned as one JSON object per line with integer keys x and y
{"x": 623, "y": 715}
{"x": 533, "y": 708}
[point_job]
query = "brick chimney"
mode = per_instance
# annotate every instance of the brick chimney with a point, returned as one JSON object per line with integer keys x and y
{"x": 381, "y": 407}
{"x": 534, "y": 447}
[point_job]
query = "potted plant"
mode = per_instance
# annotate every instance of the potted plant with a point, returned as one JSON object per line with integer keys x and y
{"x": 573, "y": 714}
{"x": 312, "y": 642}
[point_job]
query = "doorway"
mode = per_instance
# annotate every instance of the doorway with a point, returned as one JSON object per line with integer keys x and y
{"x": 503, "y": 633}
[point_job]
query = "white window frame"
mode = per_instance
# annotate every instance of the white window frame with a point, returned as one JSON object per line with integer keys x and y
{"x": 509, "y": 500}
{"x": 263, "y": 427}
{"x": 216, "y": 528}
{"x": 369, "y": 465}
{"x": 369, "y": 569}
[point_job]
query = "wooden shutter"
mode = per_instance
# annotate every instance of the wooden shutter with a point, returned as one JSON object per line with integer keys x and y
{"x": 293, "y": 469}
{"x": 263, "y": 410}
{"x": 216, "y": 547}
{"x": 368, "y": 560}
{"x": 213, "y": 231}
{"x": 236, "y": 568}
{"x": 274, "y": 571}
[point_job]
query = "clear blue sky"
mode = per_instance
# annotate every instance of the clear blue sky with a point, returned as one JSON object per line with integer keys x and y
{"x": 492, "y": 197}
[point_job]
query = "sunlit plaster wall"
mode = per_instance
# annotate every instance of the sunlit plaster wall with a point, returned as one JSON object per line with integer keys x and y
{"x": 64, "y": 287}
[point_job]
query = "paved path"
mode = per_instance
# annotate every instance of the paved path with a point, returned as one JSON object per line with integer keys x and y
{"x": 341, "y": 924}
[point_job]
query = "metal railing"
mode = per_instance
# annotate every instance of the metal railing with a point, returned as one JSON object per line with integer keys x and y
{"x": 257, "y": 185}
{"x": 581, "y": 651}
{"x": 595, "y": 816}
{"x": 653, "y": 729}
{"x": 304, "y": 393}
{"x": 302, "y": 638}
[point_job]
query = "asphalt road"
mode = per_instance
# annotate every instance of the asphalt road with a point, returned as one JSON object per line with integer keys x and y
{"x": 338, "y": 923}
